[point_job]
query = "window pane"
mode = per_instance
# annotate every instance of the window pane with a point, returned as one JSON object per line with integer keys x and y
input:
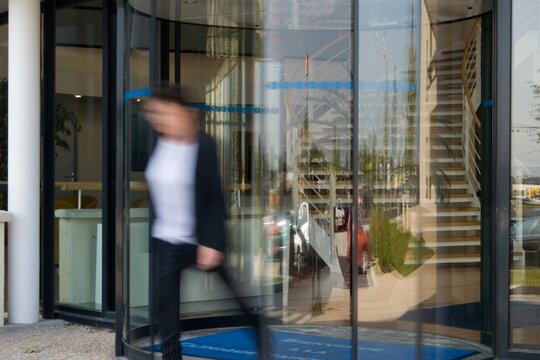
{"x": 78, "y": 123}
{"x": 525, "y": 203}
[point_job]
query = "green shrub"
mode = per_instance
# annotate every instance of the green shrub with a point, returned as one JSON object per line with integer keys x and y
{"x": 388, "y": 242}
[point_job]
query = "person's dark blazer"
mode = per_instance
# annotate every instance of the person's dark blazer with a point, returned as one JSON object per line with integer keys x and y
{"x": 209, "y": 202}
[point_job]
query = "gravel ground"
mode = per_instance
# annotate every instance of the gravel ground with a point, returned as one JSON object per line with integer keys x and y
{"x": 56, "y": 340}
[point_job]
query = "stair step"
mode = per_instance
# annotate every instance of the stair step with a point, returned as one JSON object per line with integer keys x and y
{"x": 452, "y": 91}
{"x": 440, "y": 128}
{"x": 454, "y": 66}
{"x": 452, "y": 51}
{"x": 456, "y": 199}
{"x": 452, "y": 166}
{"x": 454, "y": 211}
{"x": 457, "y": 101}
{"x": 445, "y": 119}
{"x": 445, "y": 141}
{"x": 449, "y": 82}
{"x": 427, "y": 226}
{"x": 444, "y": 147}
{"x": 450, "y": 159}
{"x": 447, "y": 134}
{"x": 393, "y": 200}
{"x": 457, "y": 112}
{"x": 452, "y": 60}
{"x": 449, "y": 259}
{"x": 448, "y": 73}
{"x": 452, "y": 242}
{"x": 441, "y": 155}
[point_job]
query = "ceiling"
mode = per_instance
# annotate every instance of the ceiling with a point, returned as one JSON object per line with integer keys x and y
{"x": 448, "y": 10}
{"x": 248, "y": 13}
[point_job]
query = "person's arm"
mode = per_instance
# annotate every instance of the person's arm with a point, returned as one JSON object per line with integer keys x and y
{"x": 212, "y": 242}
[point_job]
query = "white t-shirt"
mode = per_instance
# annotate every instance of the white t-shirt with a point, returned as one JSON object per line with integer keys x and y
{"x": 170, "y": 174}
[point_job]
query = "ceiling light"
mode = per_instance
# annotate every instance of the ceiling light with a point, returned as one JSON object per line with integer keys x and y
{"x": 77, "y": 96}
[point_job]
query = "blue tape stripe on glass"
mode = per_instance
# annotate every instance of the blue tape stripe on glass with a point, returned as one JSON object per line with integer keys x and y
{"x": 487, "y": 102}
{"x": 144, "y": 92}
{"x": 137, "y": 93}
{"x": 340, "y": 85}
{"x": 236, "y": 109}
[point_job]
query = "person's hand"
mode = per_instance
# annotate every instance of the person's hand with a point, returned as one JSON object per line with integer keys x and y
{"x": 208, "y": 258}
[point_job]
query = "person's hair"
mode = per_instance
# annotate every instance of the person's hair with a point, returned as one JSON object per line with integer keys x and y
{"x": 170, "y": 92}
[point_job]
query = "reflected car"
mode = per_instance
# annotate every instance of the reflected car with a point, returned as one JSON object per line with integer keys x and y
{"x": 533, "y": 213}
{"x": 526, "y": 232}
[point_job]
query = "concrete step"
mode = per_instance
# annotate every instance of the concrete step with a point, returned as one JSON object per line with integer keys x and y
{"x": 430, "y": 226}
{"x": 438, "y": 259}
{"x": 451, "y": 242}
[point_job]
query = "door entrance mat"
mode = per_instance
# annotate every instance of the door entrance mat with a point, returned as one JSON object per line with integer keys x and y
{"x": 240, "y": 344}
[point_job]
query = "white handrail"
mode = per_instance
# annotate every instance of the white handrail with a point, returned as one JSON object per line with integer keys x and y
{"x": 471, "y": 83}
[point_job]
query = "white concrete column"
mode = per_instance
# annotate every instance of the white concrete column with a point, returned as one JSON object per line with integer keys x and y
{"x": 23, "y": 160}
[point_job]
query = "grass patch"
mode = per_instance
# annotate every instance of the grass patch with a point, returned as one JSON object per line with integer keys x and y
{"x": 529, "y": 276}
{"x": 423, "y": 253}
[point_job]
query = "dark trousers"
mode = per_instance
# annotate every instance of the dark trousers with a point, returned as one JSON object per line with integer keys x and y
{"x": 171, "y": 260}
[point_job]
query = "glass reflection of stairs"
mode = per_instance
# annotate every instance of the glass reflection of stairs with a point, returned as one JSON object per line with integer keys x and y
{"x": 450, "y": 225}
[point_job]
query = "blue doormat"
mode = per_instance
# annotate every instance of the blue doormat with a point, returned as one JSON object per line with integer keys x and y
{"x": 240, "y": 344}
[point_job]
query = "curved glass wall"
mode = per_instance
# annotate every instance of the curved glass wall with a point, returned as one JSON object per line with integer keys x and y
{"x": 273, "y": 81}
{"x": 525, "y": 177}
{"x": 419, "y": 176}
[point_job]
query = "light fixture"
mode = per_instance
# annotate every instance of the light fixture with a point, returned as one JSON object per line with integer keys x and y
{"x": 138, "y": 100}
{"x": 77, "y": 96}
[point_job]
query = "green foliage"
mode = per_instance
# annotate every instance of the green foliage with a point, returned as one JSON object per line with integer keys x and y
{"x": 421, "y": 253}
{"x": 388, "y": 242}
{"x": 65, "y": 122}
{"x": 536, "y": 107}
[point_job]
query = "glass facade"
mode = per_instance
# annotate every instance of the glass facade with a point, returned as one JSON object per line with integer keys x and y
{"x": 78, "y": 124}
{"x": 274, "y": 85}
{"x": 356, "y": 147}
{"x": 524, "y": 242}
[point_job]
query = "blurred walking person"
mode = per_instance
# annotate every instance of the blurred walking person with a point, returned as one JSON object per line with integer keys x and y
{"x": 189, "y": 208}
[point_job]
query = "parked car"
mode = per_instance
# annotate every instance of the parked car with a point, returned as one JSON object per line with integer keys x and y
{"x": 533, "y": 213}
{"x": 526, "y": 232}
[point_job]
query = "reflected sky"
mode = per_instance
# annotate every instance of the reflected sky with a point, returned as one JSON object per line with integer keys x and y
{"x": 525, "y": 72}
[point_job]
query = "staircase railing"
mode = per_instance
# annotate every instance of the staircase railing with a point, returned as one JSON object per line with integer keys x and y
{"x": 471, "y": 81}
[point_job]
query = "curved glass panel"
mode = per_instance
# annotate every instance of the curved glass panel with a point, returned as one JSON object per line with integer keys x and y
{"x": 138, "y": 142}
{"x": 273, "y": 81}
{"x": 525, "y": 177}
{"x": 419, "y": 170}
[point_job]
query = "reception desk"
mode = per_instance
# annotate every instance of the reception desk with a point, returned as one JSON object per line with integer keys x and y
{"x": 80, "y": 248}
{"x": 81, "y": 270}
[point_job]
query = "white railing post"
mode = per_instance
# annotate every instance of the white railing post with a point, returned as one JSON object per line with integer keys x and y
{"x": 471, "y": 83}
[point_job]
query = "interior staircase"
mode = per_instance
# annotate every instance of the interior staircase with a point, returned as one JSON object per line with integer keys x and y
{"x": 451, "y": 224}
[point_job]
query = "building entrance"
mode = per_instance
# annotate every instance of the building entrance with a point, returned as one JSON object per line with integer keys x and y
{"x": 344, "y": 225}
